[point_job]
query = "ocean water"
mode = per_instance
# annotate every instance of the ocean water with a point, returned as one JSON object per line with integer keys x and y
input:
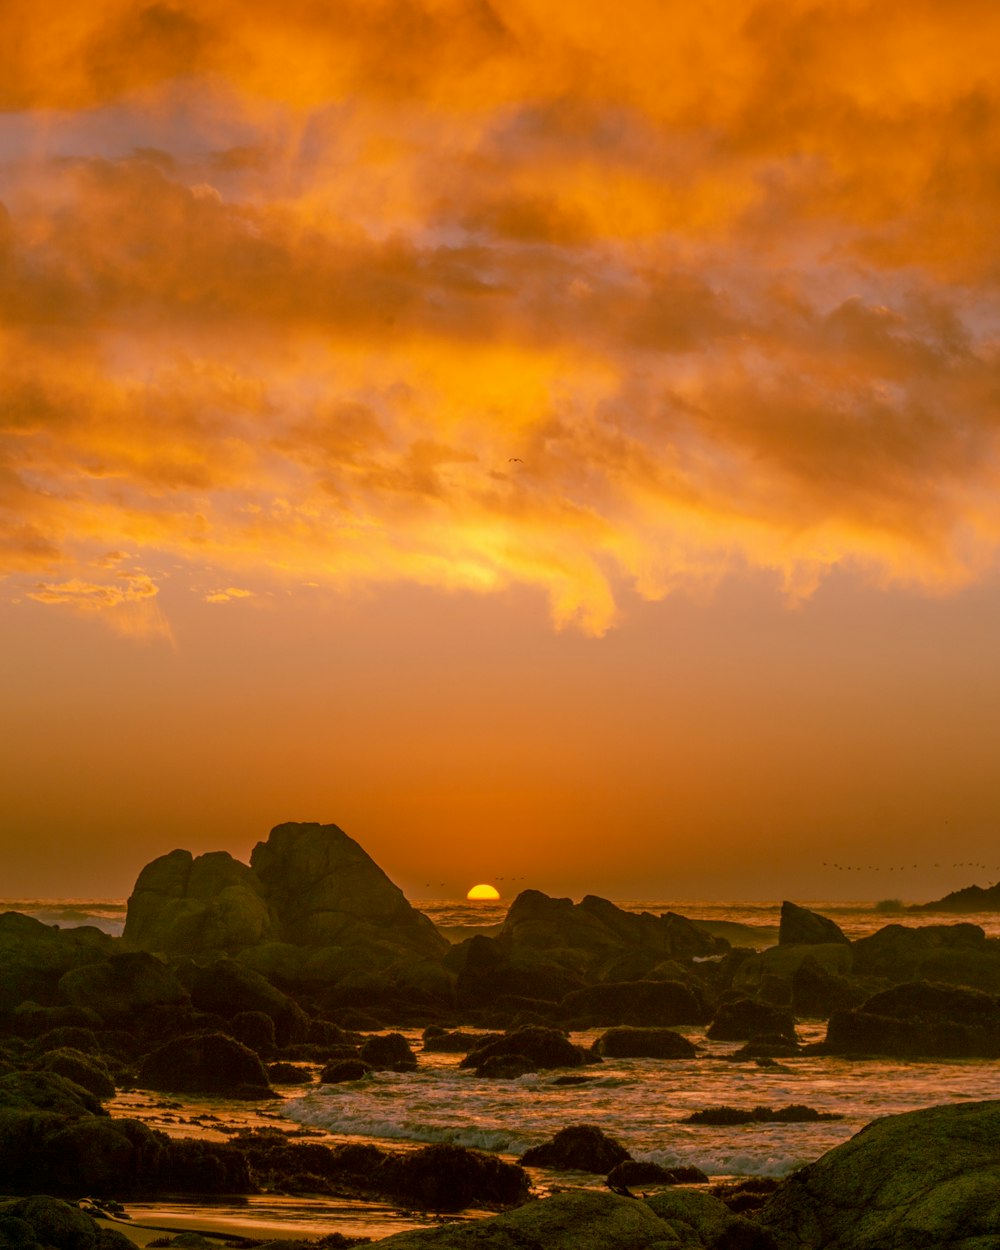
{"x": 458, "y": 918}
{"x": 641, "y": 1101}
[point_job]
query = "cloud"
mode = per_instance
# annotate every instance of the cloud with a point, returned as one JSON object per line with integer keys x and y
{"x": 127, "y": 605}
{"x": 487, "y": 294}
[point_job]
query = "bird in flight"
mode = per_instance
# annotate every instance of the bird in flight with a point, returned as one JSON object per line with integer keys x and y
{"x": 514, "y": 460}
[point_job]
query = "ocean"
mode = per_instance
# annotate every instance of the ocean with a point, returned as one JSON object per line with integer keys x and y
{"x": 642, "y": 1102}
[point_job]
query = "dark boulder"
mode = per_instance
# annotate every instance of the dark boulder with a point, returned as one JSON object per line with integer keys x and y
{"x": 449, "y": 1042}
{"x": 658, "y": 1004}
{"x": 926, "y": 1178}
{"x": 505, "y": 1067}
{"x": 204, "y": 1063}
{"x": 254, "y": 1029}
{"x": 799, "y": 926}
{"x": 389, "y": 1052}
{"x": 920, "y": 1018}
{"x": 700, "y": 1219}
{"x": 636, "y": 1172}
{"x": 344, "y": 1070}
{"x": 577, "y": 1148}
{"x": 544, "y": 1048}
{"x": 47, "y": 1091}
{"x": 450, "y": 1178}
{"x": 31, "y": 1020}
{"x": 902, "y": 953}
{"x": 794, "y": 1113}
{"x": 629, "y": 1043}
{"x": 742, "y": 1019}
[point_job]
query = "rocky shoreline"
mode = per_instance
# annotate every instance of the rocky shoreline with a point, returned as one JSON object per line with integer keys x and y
{"x": 234, "y": 980}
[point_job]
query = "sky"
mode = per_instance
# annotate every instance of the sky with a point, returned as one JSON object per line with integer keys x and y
{"x": 559, "y": 444}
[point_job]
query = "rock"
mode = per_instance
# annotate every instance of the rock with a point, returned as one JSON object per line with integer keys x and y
{"x": 959, "y": 954}
{"x": 487, "y": 973}
{"x": 55, "y": 1223}
{"x": 47, "y": 1091}
{"x": 629, "y": 1043}
{"x": 636, "y": 1172}
{"x": 974, "y": 898}
{"x": 743, "y": 1018}
{"x": 449, "y": 1042}
{"x": 122, "y": 986}
{"x": 919, "y": 1019}
{"x": 642, "y": 1004}
{"x": 33, "y": 956}
{"x": 544, "y": 1048}
{"x": 321, "y": 885}
{"x": 577, "y": 1148}
{"x": 81, "y": 1069}
{"x": 288, "y": 1074}
{"x": 30, "y": 1020}
{"x": 204, "y": 1063}
{"x": 926, "y": 1178}
{"x": 817, "y": 992}
{"x": 344, "y": 1070}
{"x": 795, "y": 1113}
{"x": 505, "y": 1067}
{"x": 389, "y": 1052}
{"x": 701, "y": 1220}
{"x": 579, "y": 1220}
{"x": 799, "y": 926}
{"x": 450, "y": 1178}
{"x": 229, "y": 988}
{"x": 254, "y": 1029}
{"x": 770, "y": 973}
{"x": 182, "y": 905}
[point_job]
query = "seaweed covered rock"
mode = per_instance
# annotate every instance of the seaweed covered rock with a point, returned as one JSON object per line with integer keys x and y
{"x": 450, "y": 1178}
{"x": 578, "y": 1148}
{"x": 123, "y": 986}
{"x": 926, "y": 1178}
{"x": 579, "y": 1220}
{"x": 33, "y": 957}
{"x": 204, "y": 1063}
{"x": 82, "y": 1069}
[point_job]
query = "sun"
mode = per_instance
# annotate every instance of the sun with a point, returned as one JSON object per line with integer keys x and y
{"x": 481, "y": 892}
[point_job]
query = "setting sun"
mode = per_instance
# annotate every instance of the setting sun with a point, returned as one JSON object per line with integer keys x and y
{"x": 482, "y": 892}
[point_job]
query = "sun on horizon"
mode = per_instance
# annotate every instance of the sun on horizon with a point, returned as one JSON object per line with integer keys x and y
{"x": 482, "y": 893}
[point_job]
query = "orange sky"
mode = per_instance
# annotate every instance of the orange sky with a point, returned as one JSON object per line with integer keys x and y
{"x": 544, "y": 439}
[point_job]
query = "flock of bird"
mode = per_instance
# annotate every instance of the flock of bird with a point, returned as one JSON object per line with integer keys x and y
{"x": 902, "y": 867}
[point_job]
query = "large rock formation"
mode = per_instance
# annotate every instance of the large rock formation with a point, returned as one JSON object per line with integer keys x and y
{"x": 924, "y": 1179}
{"x": 321, "y": 886}
{"x": 549, "y": 947}
{"x": 957, "y": 953}
{"x": 310, "y": 900}
{"x": 799, "y": 925}
{"x": 974, "y": 898}
{"x": 182, "y": 905}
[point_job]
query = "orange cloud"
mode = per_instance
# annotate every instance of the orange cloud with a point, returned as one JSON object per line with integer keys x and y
{"x": 480, "y": 294}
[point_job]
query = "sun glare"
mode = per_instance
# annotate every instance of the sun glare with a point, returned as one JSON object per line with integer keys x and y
{"x": 483, "y": 892}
